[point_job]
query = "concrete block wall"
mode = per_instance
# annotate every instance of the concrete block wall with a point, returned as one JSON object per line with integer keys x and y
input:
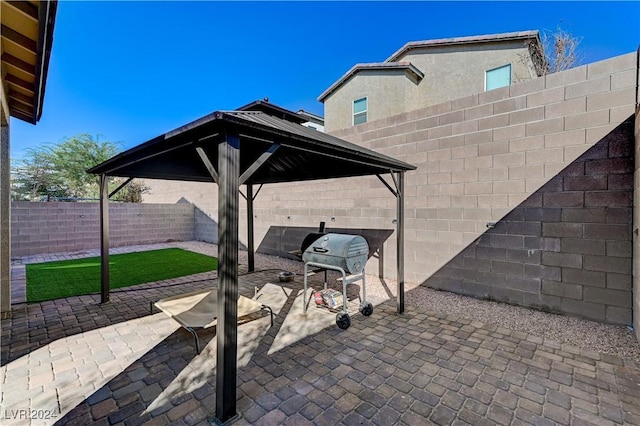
{"x": 479, "y": 158}
{"x": 202, "y": 196}
{"x": 567, "y": 247}
{"x": 205, "y": 227}
{"x": 38, "y": 228}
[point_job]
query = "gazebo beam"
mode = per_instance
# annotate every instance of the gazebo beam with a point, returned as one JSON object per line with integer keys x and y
{"x": 207, "y": 163}
{"x": 258, "y": 163}
{"x": 104, "y": 238}
{"x": 400, "y": 241}
{"x": 227, "y": 327}
{"x": 250, "y": 242}
{"x": 118, "y": 189}
{"x": 398, "y": 192}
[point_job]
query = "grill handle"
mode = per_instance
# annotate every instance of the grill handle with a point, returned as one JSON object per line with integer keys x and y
{"x": 320, "y": 250}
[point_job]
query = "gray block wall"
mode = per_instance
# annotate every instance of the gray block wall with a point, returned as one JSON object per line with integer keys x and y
{"x": 205, "y": 228}
{"x": 478, "y": 159}
{"x": 38, "y": 228}
{"x": 567, "y": 248}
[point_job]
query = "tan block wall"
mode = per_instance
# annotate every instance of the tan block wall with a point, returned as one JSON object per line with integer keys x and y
{"x": 38, "y": 228}
{"x": 477, "y": 158}
{"x": 202, "y": 196}
{"x": 481, "y": 156}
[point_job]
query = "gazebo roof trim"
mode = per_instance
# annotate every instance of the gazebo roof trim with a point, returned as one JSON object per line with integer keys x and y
{"x": 304, "y": 153}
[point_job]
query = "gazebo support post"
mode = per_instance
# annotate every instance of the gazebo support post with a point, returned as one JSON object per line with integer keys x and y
{"x": 400, "y": 242}
{"x": 227, "y": 327}
{"x": 250, "y": 241}
{"x": 104, "y": 239}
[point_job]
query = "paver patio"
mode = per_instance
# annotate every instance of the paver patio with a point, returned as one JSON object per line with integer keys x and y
{"x": 119, "y": 364}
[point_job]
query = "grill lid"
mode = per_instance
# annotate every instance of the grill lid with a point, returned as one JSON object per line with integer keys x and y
{"x": 349, "y": 252}
{"x": 310, "y": 239}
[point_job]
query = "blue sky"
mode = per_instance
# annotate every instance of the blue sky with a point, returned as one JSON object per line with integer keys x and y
{"x": 129, "y": 71}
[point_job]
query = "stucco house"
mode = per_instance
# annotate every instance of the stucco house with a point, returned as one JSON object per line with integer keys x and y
{"x": 424, "y": 73}
{"x": 25, "y": 48}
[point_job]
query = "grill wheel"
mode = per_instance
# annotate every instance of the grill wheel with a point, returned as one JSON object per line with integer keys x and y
{"x": 367, "y": 309}
{"x": 343, "y": 320}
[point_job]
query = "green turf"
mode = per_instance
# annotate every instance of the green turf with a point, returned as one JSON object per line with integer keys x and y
{"x": 54, "y": 280}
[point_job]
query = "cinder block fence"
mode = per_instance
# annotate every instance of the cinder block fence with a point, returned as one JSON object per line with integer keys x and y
{"x": 547, "y": 163}
{"x": 38, "y": 228}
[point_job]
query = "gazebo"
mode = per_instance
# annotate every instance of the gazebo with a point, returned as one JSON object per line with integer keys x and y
{"x": 258, "y": 144}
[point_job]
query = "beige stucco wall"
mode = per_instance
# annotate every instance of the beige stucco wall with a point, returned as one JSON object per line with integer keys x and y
{"x": 450, "y": 72}
{"x": 5, "y": 222}
{"x": 5, "y": 210}
{"x": 456, "y": 71}
{"x": 388, "y": 93}
{"x": 636, "y": 228}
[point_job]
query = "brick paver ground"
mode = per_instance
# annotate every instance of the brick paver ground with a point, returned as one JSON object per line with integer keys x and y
{"x": 418, "y": 368}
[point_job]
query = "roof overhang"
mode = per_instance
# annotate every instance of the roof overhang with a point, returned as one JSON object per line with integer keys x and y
{"x": 290, "y": 152}
{"x": 27, "y": 37}
{"x": 403, "y": 67}
{"x": 454, "y": 41}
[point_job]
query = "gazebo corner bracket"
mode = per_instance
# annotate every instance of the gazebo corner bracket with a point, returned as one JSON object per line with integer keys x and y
{"x": 244, "y": 177}
{"x": 394, "y": 192}
{"x": 207, "y": 163}
{"x": 119, "y": 188}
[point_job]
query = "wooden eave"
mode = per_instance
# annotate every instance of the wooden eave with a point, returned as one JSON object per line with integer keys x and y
{"x": 26, "y": 35}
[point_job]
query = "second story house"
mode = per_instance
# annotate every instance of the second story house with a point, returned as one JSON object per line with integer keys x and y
{"x": 424, "y": 73}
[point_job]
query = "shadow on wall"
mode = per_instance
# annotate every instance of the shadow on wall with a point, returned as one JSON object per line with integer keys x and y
{"x": 281, "y": 240}
{"x": 205, "y": 228}
{"x": 565, "y": 249}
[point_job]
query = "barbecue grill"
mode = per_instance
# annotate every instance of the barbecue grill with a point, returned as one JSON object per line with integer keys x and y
{"x": 343, "y": 253}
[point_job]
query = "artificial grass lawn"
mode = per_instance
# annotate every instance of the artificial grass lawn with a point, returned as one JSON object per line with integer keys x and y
{"x": 54, "y": 280}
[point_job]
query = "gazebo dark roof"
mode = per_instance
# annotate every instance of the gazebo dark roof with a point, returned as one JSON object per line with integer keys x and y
{"x": 303, "y": 153}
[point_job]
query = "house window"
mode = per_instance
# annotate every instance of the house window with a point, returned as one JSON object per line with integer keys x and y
{"x": 360, "y": 111}
{"x": 497, "y": 77}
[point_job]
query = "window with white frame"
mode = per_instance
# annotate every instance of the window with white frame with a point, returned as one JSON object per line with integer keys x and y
{"x": 360, "y": 111}
{"x": 497, "y": 77}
